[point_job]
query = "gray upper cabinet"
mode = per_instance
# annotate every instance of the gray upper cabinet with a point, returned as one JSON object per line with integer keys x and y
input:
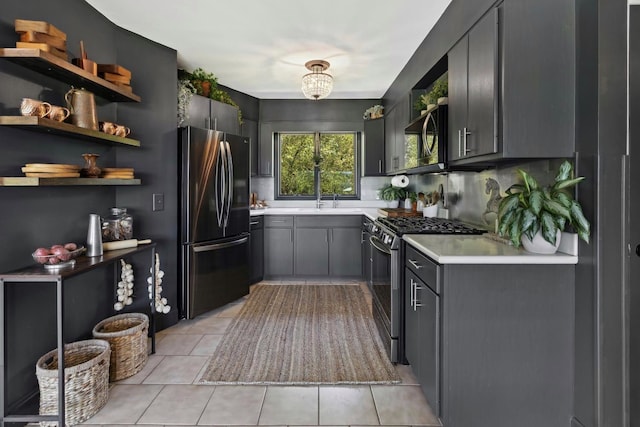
{"x": 390, "y": 159}
{"x": 265, "y": 150}
{"x": 538, "y": 99}
{"x": 394, "y": 139}
{"x": 209, "y": 114}
{"x": 373, "y": 150}
{"x": 473, "y": 71}
{"x": 510, "y": 98}
{"x": 249, "y": 128}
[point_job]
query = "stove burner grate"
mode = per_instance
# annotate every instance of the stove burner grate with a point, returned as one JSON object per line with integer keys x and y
{"x": 424, "y": 225}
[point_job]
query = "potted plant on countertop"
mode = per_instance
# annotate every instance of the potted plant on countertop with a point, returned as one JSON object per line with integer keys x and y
{"x": 391, "y": 195}
{"x": 535, "y": 215}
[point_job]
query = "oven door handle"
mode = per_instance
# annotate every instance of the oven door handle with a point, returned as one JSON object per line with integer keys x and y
{"x": 377, "y": 243}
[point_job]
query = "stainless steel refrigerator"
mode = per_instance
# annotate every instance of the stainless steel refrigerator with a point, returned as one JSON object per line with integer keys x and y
{"x": 214, "y": 219}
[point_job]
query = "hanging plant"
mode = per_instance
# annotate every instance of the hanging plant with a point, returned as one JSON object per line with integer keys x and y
{"x": 185, "y": 92}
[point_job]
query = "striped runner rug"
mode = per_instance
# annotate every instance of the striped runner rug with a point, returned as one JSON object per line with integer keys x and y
{"x": 302, "y": 334}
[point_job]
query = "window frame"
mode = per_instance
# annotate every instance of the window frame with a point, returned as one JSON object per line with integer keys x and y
{"x": 357, "y": 140}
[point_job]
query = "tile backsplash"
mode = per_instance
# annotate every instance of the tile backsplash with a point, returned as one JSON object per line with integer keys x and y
{"x": 472, "y": 197}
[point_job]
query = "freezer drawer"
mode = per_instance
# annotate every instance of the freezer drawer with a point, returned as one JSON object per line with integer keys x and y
{"x": 215, "y": 274}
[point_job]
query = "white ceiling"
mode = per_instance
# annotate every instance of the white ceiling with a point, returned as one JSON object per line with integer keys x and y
{"x": 260, "y": 46}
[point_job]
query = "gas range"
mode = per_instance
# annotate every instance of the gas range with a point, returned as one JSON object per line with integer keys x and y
{"x": 389, "y": 230}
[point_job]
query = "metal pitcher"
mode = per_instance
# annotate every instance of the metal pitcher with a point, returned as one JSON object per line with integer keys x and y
{"x": 82, "y": 105}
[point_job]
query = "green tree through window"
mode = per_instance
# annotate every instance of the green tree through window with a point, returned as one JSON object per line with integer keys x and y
{"x": 312, "y": 160}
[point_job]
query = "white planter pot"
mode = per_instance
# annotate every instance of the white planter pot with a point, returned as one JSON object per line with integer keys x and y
{"x": 540, "y": 246}
{"x": 393, "y": 204}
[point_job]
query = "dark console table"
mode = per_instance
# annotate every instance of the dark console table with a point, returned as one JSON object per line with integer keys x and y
{"x": 37, "y": 273}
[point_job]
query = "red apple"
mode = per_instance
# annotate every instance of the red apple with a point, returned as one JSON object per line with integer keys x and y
{"x": 54, "y": 260}
{"x": 70, "y": 246}
{"x": 41, "y": 255}
{"x": 55, "y": 246}
{"x": 61, "y": 253}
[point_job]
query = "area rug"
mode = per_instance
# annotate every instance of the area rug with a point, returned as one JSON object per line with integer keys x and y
{"x": 302, "y": 334}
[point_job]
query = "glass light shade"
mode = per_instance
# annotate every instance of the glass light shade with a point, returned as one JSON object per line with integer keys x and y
{"x": 317, "y": 85}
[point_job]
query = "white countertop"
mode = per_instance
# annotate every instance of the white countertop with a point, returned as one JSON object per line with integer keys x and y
{"x": 448, "y": 249}
{"x": 371, "y": 213}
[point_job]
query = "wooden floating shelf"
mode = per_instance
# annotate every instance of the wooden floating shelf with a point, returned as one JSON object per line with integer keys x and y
{"x": 59, "y": 69}
{"x": 21, "y": 181}
{"x": 39, "y": 124}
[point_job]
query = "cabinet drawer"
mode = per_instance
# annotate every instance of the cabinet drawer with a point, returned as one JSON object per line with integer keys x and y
{"x": 256, "y": 222}
{"x": 278, "y": 221}
{"x": 423, "y": 267}
{"x": 328, "y": 221}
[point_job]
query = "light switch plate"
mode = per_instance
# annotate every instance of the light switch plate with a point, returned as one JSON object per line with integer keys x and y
{"x": 158, "y": 202}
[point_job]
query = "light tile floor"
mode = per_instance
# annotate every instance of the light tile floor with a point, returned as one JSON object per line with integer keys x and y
{"x": 166, "y": 393}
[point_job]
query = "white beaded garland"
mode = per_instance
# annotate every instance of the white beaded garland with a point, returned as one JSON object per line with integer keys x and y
{"x": 160, "y": 303}
{"x": 125, "y": 287}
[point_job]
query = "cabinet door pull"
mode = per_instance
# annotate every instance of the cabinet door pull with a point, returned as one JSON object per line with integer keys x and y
{"x": 277, "y": 220}
{"x": 459, "y": 143}
{"x": 254, "y": 222}
{"x": 464, "y": 141}
{"x": 291, "y": 235}
{"x": 207, "y": 123}
{"x": 380, "y": 166}
{"x": 415, "y": 264}
{"x": 215, "y": 123}
{"x": 416, "y": 303}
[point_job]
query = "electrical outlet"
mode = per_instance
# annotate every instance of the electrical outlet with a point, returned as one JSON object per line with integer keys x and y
{"x": 158, "y": 202}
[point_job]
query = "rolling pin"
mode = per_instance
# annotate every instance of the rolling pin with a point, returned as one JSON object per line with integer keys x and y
{"x": 123, "y": 244}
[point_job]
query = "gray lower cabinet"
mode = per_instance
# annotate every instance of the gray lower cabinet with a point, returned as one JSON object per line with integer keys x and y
{"x": 313, "y": 246}
{"x": 345, "y": 259}
{"x": 278, "y": 246}
{"x": 257, "y": 249}
{"x": 496, "y": 339}
{"x": 422, "y": 323}
{"x": 311, "y": 252}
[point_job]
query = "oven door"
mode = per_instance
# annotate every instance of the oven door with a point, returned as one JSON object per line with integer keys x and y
{"x": 385, "y": 294}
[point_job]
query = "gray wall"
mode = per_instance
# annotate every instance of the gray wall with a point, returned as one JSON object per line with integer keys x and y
{"x": 41, "y": 216}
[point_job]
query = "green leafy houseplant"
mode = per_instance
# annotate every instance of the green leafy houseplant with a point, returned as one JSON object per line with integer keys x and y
{"x": 440, "y": 89}
{"x": 529, "y": 208}
{"x": 205, "y": 84}
{"x": 390, "y": 193}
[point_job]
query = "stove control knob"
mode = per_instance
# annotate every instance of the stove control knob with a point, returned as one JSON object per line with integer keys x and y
{"x": 374, "y": 228}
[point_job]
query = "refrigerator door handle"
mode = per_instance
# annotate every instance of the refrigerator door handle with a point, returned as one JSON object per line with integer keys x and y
{"x": 217, "y": 182}
{"x": 230, "y": 181}
{"x": 216, "y": 246}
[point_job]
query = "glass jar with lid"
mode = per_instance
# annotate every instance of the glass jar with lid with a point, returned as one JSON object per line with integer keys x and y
{"x": 117, "y": 226}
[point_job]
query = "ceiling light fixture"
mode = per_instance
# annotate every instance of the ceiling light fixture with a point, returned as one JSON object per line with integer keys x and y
{"x": 317, "y": 84}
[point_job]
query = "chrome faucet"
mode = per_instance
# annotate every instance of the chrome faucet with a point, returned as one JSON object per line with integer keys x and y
{"x": 318, "y": 202}
{"x": 335, "y": 200}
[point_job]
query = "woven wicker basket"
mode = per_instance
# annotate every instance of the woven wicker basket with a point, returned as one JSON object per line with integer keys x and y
{"x": 127, "y": 334}
{"x": 86, "y": 374}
